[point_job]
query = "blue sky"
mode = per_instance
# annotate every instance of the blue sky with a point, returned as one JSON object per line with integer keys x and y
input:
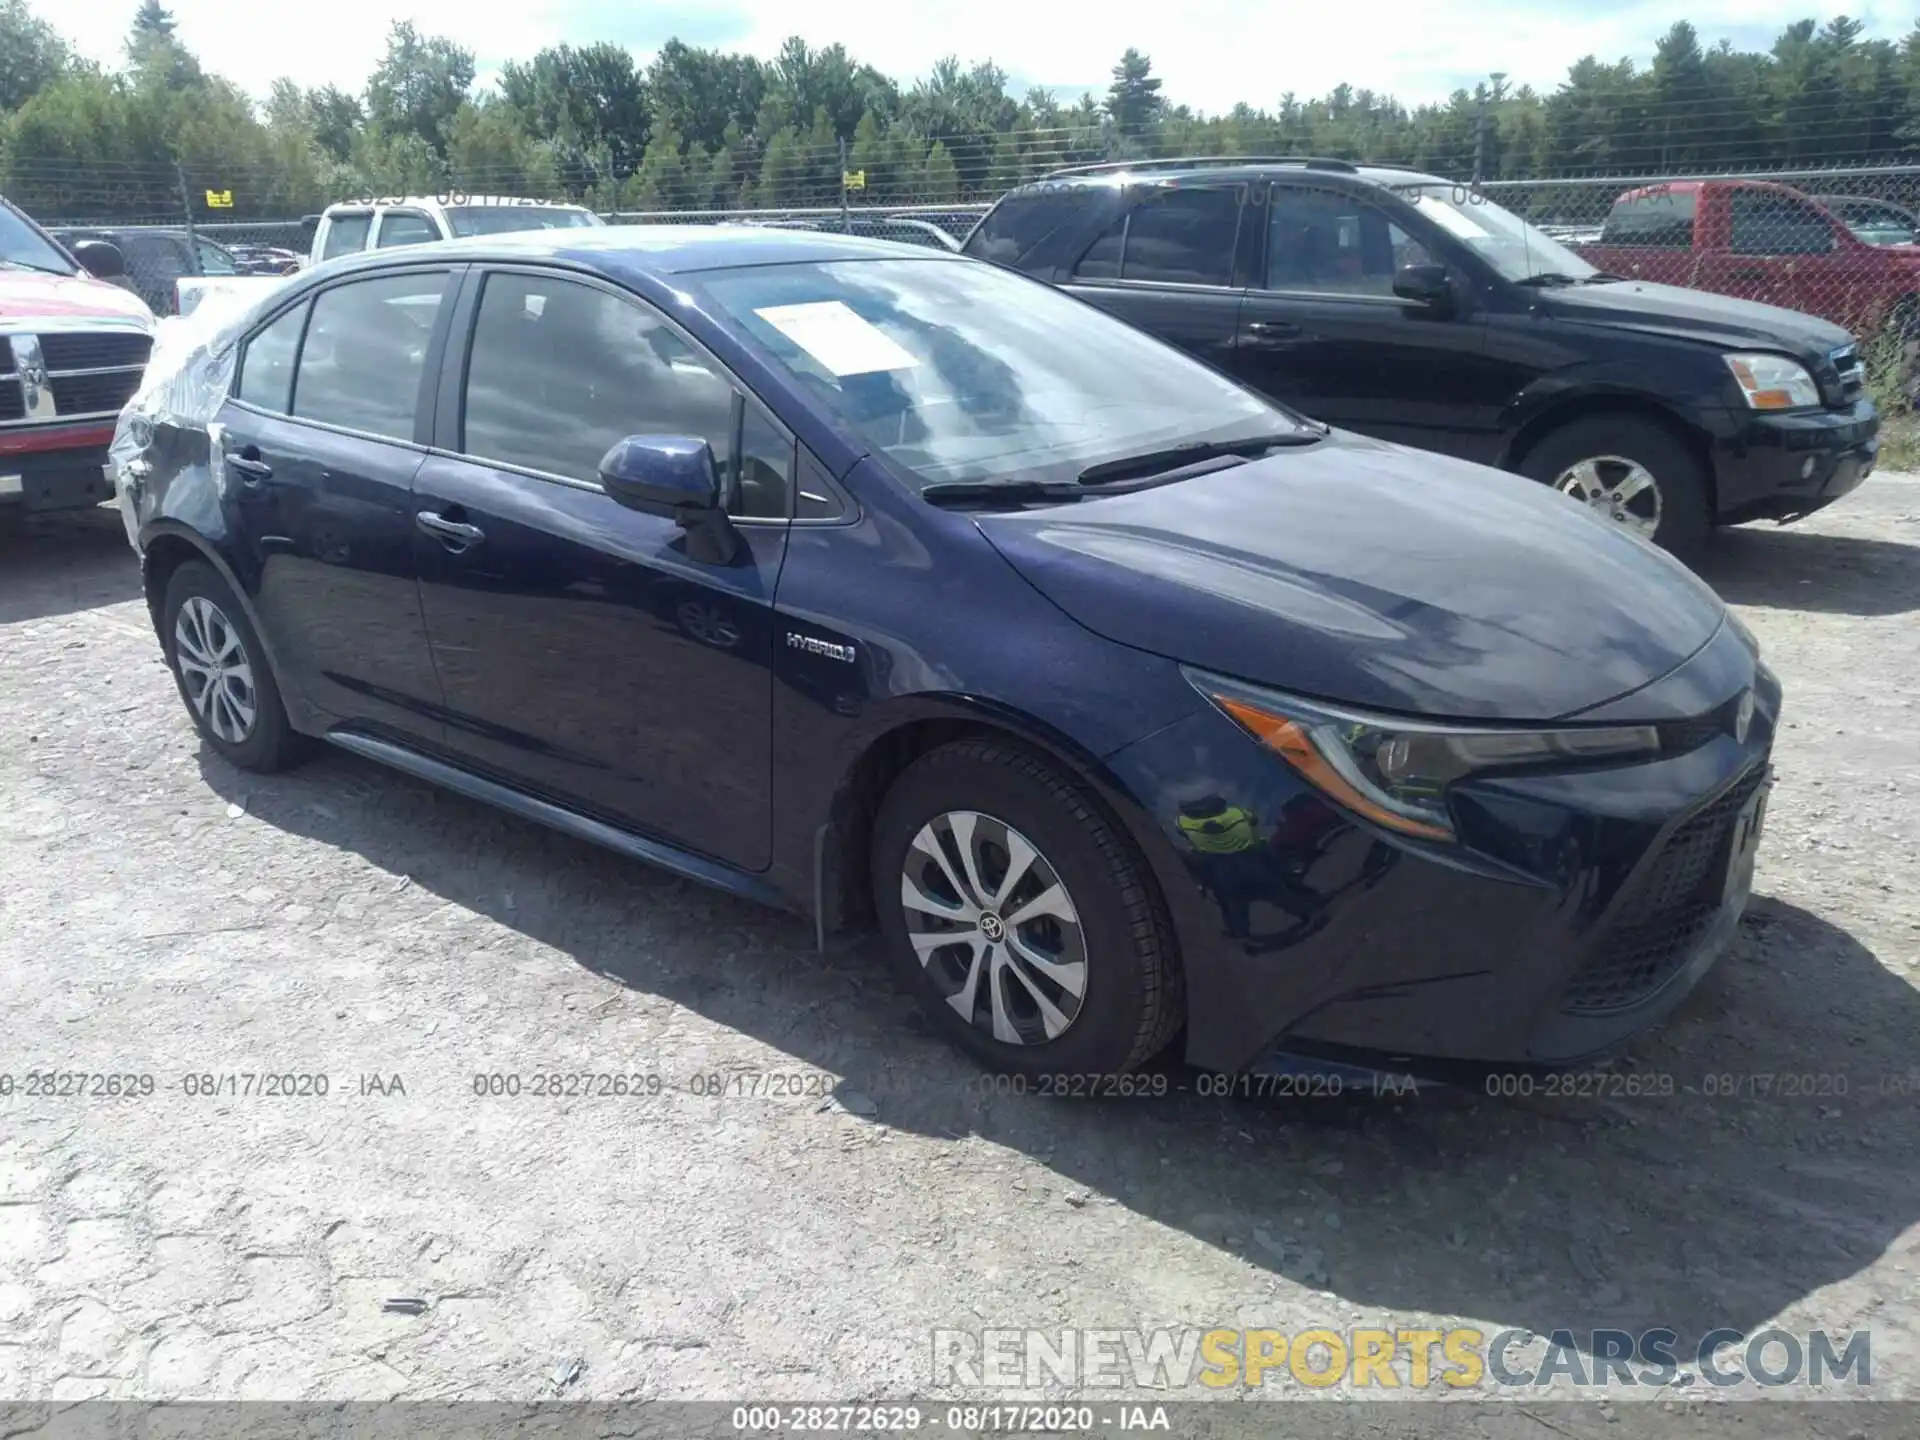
{"x": 1211, "y": 53}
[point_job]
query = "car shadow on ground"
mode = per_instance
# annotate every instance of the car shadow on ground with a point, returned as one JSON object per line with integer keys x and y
{"x": 59, "y": 563}
{"x": 1687, "y": 1193}
{"x": 1793, "y": 569}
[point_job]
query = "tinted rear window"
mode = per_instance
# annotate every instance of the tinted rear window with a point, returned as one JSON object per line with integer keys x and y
{"x": 1016, "y": 226}
{"x": 1654, "y": 218}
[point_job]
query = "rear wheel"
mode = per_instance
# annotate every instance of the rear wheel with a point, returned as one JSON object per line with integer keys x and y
{"x": 221, "y": 669}
{"x": 1632, "y": 473}
{"x": 1022, "y": 919}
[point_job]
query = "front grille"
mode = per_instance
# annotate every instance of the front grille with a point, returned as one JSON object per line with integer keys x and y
{"x": 92, "y": 394}
{"x": 13, "y": 404}
{"x": 6, "y": 356}
{"x": 94, "y": 351}
{"x": 1852, "y": 373}
{"x": 1666, "y": 914}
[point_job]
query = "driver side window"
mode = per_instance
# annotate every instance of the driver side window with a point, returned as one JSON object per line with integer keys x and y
{"x": 560, "y": 372}
{"x": 1323, "y": 240}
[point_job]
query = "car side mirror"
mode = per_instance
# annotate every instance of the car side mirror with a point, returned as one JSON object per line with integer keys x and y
{"x": 1424, "y": 284}
{"x": 100, "y": 258}
{"x": 673, "y": 476}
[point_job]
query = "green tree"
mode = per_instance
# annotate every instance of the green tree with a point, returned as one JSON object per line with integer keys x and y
{"x": 1134, "y": 101}
{"x": 588, "y": 101}
{"x": 939, "y": 178}
{"x": 418, "y": 86}
{"x": 32, "y": 55}
{"x": 155, "y": 53}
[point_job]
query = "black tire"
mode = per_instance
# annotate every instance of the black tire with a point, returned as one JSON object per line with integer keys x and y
{"x": 1685, "y": 514}
{"x": 1131, "y": 1000}
{"x": 271, "y": 743}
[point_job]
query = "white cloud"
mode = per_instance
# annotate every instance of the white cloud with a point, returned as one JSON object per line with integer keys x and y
{"x": 1211, "y": 53}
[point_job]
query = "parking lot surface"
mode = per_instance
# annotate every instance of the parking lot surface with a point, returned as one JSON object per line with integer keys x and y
{"x": 337, "y": 996}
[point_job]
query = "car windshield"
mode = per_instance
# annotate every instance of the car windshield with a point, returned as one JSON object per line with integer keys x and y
{"x": 1519, "y": 251}
{"x": 20, "y": 244}
{"x": 963, "y": 373}
{"x": 1876, "y": 226}
{"x": 499, "y": 219}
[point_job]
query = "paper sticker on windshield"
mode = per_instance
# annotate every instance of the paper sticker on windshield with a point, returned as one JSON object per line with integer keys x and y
{"x": 837, "y": 337}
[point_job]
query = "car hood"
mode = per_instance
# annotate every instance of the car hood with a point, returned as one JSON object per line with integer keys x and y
{"x": 29, "y": 295}
{"x": 1375, "y": 576}
{"x": 1670, "y": 311}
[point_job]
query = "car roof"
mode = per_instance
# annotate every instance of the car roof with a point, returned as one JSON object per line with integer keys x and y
{"x": 1118, "y": 173}
{"x": 652, "y": 249}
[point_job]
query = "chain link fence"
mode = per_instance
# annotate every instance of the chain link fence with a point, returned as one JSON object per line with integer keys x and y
{"x": 1839, "y": 243}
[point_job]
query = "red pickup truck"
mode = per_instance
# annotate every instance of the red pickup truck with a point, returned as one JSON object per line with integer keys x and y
{"x": 72, "y": 349}
{"x": 1761, "y": 241}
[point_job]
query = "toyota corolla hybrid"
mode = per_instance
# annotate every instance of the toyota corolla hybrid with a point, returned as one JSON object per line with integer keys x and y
{"x": 899, "y": 589}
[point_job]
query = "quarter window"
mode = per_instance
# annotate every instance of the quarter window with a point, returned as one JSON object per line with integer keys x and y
{"x": 560, "y": 372}
{"x": 266, "y": 371}
{"x": 1323, "y": 240}
{"x": 365, "y": 350}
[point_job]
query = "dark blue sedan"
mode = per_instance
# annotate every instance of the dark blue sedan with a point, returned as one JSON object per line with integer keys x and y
{"x": 905, "y": 592}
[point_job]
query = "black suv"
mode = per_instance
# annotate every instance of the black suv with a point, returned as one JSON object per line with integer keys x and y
{"x": 1413, "y": 308}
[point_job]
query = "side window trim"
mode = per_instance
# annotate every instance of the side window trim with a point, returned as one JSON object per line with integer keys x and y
{"x": 449, "y": 435}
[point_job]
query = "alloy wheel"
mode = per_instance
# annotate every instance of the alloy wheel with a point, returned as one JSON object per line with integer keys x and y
{"x": 1617, "y": 489}
{"x": 994, "y": 928}
{"x": 215, "y": 670}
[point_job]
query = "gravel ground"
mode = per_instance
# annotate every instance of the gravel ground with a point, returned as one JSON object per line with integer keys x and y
{"x": 167, "y": 916}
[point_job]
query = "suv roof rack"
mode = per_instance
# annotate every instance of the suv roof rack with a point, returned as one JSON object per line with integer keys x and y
{"x": 1204, "y": 162}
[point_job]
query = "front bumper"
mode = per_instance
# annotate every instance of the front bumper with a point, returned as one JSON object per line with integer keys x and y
{"x": 62, "y": 468}
{"x": 1787, "y": 465}
{"x": 1579, "y": 908}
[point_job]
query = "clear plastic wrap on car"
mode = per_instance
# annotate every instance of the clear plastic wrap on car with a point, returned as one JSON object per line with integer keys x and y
{"x": 185, "y": 384}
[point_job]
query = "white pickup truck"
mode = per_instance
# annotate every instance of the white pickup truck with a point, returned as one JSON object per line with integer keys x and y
{"x": 382, "y": 223}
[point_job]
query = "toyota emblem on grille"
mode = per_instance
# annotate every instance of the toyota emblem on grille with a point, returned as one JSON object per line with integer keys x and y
{"x": 1743, "y": 717}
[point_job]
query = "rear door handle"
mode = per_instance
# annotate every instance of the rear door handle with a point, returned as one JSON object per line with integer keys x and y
{"x": 249, "y": 466}
{"x": 454, "y": 534}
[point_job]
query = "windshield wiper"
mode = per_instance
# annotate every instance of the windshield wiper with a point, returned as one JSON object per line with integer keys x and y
{"x": 1176, "y": 456}
{"x": 1549, "y": 278}
{"x": 963, "y": 494}
{"x": 13, "y": 264}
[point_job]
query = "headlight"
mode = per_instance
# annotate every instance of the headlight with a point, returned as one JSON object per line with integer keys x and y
{"x": 1396, "y": 772}
{"x": 1773, "y": 382}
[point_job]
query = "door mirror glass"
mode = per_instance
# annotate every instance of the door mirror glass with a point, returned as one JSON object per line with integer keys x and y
{"x": 1425, "y": 284}
{"x": 100, "y": 259}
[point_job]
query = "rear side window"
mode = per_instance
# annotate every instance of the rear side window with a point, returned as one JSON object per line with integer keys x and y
{"x": 1768, "y": 223}
{"x": 266, "y": 371}
{"x": 1015, "y": 227}
{"x": 365, "y": 350}
{"x": 405, "y": 228}
{"x": 346, "y": 235}
{"x": 1176, "y": 234}
{"x": 1657, "y": 219}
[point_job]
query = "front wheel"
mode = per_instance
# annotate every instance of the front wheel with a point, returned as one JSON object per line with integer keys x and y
{"x": 1024, "y": 921}
{"x": 1631, "y": 473}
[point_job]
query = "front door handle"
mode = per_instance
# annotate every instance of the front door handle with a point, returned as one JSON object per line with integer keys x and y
{"x": 456, "y": 535}
{"x": 1272, "y": 332}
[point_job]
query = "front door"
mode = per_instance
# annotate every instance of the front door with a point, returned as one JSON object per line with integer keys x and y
{"x": 1326, "y": 335}
{"x": 318, "y": 452}
{"x": 585, "y": 654}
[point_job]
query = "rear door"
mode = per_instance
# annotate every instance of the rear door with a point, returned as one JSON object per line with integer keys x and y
{"x": 320, "y": 441}
{"x": 1324, "y": 332}
{"x": 1167, "y": 265}
{"x": 586, "y": 655}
